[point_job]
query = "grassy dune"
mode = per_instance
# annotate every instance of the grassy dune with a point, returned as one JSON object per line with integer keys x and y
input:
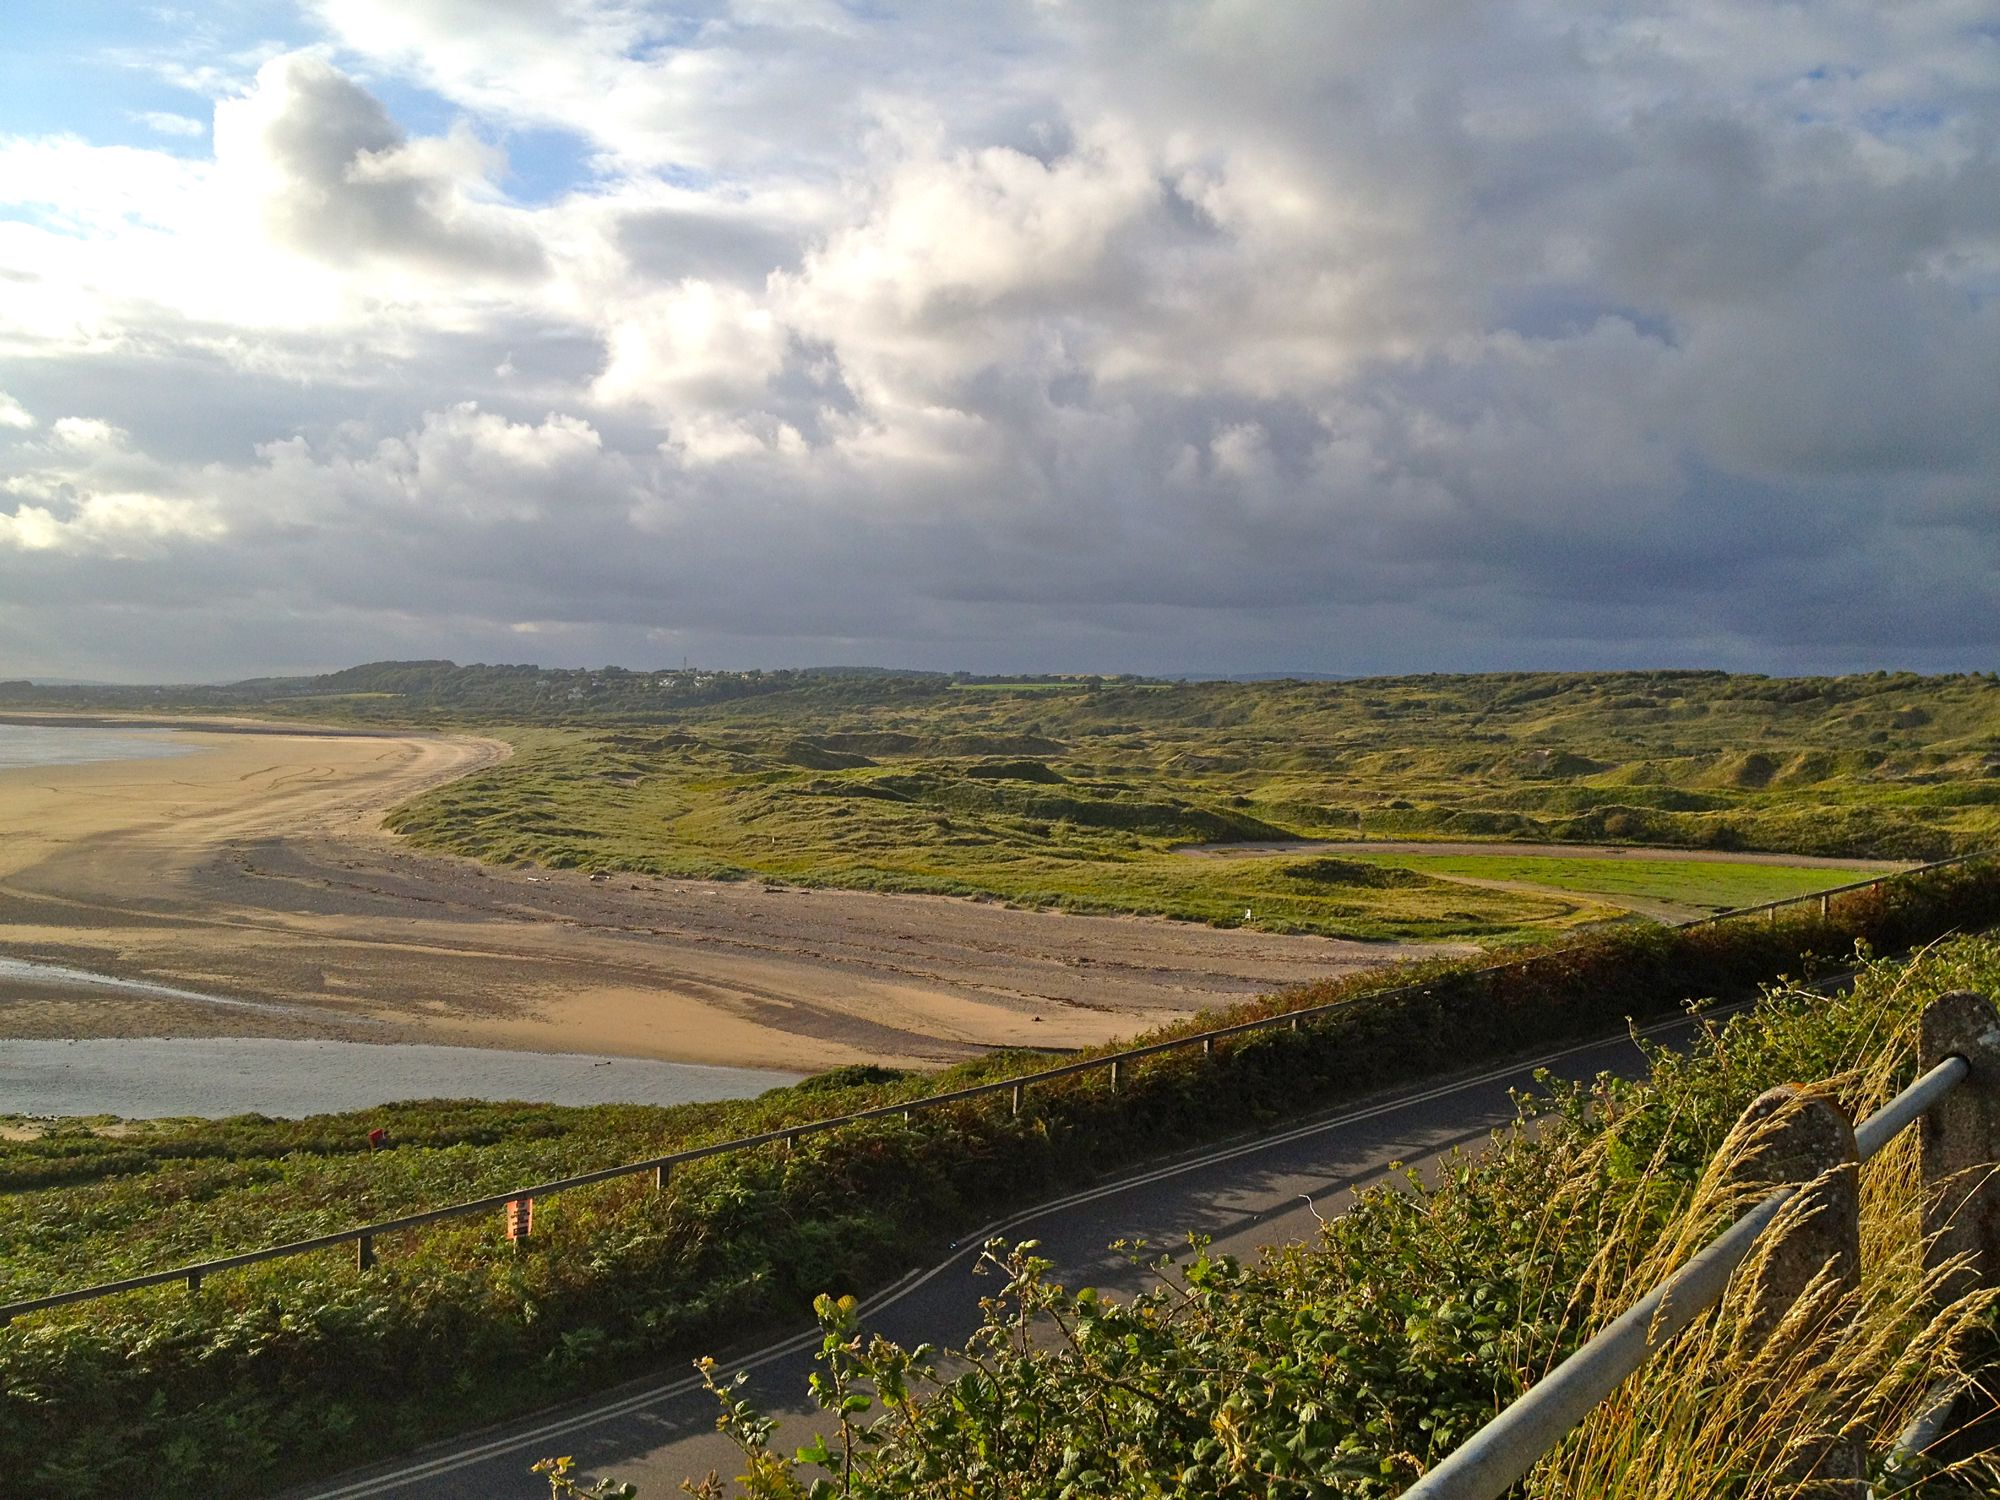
{"x": 1681, "y": 882}
{"x": 1016, "y": 828}
{"x": 1077, "y": 799}
{"x": 1074, "y": 792}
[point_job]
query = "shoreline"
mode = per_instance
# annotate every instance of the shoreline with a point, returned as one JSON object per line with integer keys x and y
{"x": 155, "y": 1078}
{"x": 28, "y": 718}
{"x": 256, "y": 869}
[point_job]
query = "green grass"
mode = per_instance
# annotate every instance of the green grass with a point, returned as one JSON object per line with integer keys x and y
{"x": 298, "y": 1366}
{"x": 1036, "y": 831}
{"x": 1021, "y": 687}
{"x": 1074, "y": 795}
{"x": 1682, "y": 882}
{"x": 1344, "y": 1367}
{"x": 1077, "y": 800}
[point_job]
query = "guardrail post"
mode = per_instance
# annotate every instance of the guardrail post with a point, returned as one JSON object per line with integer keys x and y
{"x": 1795, "y": 1138}
{"x": 1017, "y": 1101}
{"x": 1961, "y": 1146}
{"x": 1825, "y": 907}
{"x": 662, "y": 1175}
{"x": 364, "y": 1252}
{"x": 1208, "y": 1046}
{"x": 1114, "y": 1076}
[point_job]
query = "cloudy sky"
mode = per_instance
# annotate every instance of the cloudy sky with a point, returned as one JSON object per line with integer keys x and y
{"x": 1163, "y": 336}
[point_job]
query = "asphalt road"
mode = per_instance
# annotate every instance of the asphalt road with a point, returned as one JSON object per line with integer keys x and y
{"x": 1243, "y": 1195}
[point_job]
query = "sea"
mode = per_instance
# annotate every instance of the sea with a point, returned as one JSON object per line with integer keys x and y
{"x": 142, "y": 1078}
{"x": 213, "y": 1077}
{"x": 68, "y": 745}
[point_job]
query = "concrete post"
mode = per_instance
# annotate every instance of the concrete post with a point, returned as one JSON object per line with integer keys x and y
{"x": 1017, "y": 1101}
{"x": 662, "y": 1175}
{"x": 1114, "y": 1077}
{"x": 1961, "y": 1145}
{"x": 1208, "y": 1046}
{"x": 1799, "y": 1139}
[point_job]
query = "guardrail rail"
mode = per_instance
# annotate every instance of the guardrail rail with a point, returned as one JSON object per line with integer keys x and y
{"x": 1817, "y": 1153}
{"x": 1113, "y": 1064}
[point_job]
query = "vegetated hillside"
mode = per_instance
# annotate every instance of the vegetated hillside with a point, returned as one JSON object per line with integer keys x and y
{"x": 299, "y": 1365}
{"x": 406, "y": 693}
{"x": 1348, "y": 1366}
{"x": 1078, "y": 797}
{"x": 977, "y": 822}
{"x": 1073, "y": 792}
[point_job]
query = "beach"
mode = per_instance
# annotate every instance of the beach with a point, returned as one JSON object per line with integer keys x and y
{"x": 254, "y": 869}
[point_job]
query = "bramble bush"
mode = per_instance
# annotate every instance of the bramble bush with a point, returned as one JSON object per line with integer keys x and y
{"x": 1347, "y": 1367}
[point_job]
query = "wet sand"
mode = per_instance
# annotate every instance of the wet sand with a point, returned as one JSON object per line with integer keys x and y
{"x": 256, "y": 870}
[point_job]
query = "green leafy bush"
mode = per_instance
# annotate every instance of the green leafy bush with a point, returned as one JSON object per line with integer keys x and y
{"x": 305, "y": 1363}
{"x": 1346, "y": 1367}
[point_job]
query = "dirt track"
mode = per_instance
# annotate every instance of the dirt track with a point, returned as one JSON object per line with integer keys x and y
{"x": 254, "y": 870}
{"x": 1659, "y": 910}
{"x": 1520, "y": 849}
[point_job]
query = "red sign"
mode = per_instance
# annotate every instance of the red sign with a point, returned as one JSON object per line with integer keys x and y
{"x": 520, "y": 1218}
{"x": 377, "y": 1138}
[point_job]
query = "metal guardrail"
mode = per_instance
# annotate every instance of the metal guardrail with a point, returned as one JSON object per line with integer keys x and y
{"x": 1505, "y": 1449}
{"x": 1825, "y": 896}
{"x": 363, "y": 1236}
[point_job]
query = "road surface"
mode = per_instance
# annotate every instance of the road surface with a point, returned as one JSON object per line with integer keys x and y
{"x": 1243, "y": 1194}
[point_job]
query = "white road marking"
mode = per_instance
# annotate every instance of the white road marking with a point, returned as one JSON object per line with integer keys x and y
{"x": 971, "y": 1244}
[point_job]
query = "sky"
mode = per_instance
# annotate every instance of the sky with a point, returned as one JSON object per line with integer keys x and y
{"x": 1184, "y": 336}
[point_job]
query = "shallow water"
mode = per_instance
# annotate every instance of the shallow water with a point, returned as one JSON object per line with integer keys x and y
{"x": 63, "y": 745}
{"x": 22, "y": 971}
{"x": 147, "y": 1077}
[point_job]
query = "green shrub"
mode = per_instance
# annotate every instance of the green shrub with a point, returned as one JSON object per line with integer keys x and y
{"x": 301, "y": 1364}
{"x": 1346, "y": 1367}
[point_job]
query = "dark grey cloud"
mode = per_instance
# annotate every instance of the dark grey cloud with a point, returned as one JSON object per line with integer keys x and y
{"x": 1194, "y": 337}
{"x": 339, "y": 179}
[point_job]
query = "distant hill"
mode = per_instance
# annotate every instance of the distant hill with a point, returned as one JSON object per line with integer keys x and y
{"x": 1287, "y": 677}
{"x": 429, "y": 691}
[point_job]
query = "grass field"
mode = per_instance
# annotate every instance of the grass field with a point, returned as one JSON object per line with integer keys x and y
{"x": 1077, "y": 798}
{"x": 1020, "y": 687}
{"x": 1010, "y": 828}
{"x": 1074, "y": 794}
{"x": 1681, "y": 882}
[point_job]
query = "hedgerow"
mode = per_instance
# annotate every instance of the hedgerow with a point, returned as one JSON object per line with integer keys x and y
{"x": 1348, "y": 1366}
{"x": 307, "y": 1364}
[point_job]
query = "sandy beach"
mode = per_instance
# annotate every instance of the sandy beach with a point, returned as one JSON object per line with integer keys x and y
{"x": 256, "y": 870}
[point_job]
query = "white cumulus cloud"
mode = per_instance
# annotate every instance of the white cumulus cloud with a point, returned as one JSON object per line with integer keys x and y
{"x": 1211, "y": 335}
